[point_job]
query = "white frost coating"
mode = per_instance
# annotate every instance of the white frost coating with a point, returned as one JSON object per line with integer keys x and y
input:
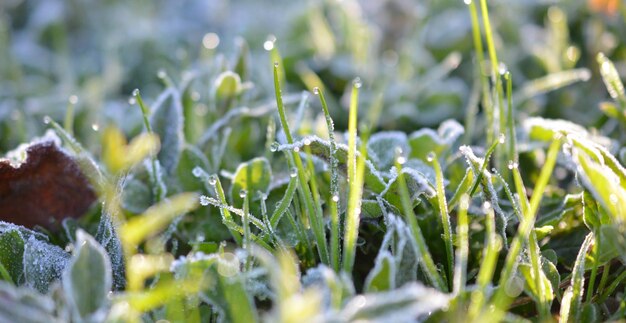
{"x": 18, "y": 155}
{"x": 419, "y": 185}
{"x": 553, "y": 126}
{"x": 43, "y": 263}
{"x": 24, "y": 233}
{"x": 371, "y": 169}
{"x": 448, "y": 132}
{"x": 411, "y": 300}
{"x": 382, "y": 148}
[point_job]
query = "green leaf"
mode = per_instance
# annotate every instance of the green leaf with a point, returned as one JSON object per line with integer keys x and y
{"x": 252, "y": 176}
{"x": 167, "y": 121}
{"x": 108, "y": 238}
{"x": 227, "y": 86}
{"x": 87, "y": 279}
{"x": 382, "y": 276}
{"x": 190, "y": 158}
{"x": 425, "y": 140}
{"x": 24, "y": 305}
{"x": 43, "y": 263}
{"x": 410, "y": 301}
{"x": 382, "y": 148}
{"x": 11, "y": 254}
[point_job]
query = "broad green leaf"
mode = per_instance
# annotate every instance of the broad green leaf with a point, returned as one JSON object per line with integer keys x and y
{"x": 190, "y": 158}
{"x": 11, "y": 253}
{"x": 87, "y": 279}
{"x": 24, "y": 305}
{"x": 603, "y": 184}
{"x": 425, "y": 140}
{"x": 167, "y": 122}
{"x": 108, "y": 238}
{"x": 252, "y": 177}
{"x": 382, "y": 148}
{"x": 412, "y": 300}
{"x": 43, "y": 263}
{"x": 382, "y": 276}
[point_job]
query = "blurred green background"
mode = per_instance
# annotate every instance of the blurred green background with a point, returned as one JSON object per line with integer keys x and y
{"x": 417, "y": 55}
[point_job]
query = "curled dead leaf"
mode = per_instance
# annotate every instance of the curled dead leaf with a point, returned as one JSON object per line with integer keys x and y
{"x": 45, "y": 188}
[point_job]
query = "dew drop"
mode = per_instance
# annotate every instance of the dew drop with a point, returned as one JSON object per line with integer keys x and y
{"x": 274, "y": 146}
{"x": 430, "y": 157}
{"x": 487, "y": 206}
{"x": 47, "y": 120}
{"x": 316, "y": 90}
{"x": 73, "y": 99}
{"x": 296, "y": 149}
{"x": 197, "y": 171}
{"x": 335, "y": 198}
{"x": 357, "y": 82}
{"x": 502, "y": 68}
{"x": 307, "y": 141}
{"x": 512, "y": 164}
{"x": 204, "y": 200}
{"x": 467, "y": 2}
{"x": 132, "y": 101}
{"x": 200, "y": 237}
{"x": 213, "y": 180}
{"x": 95, "y": 127}
{"x": 161, "y": 74}
{"x": 135, "y": 92}
{"x": 243, "y": 193}
{"x": 493, "y": 170}
{"x": 401, "y": 160}
{"x": 501, "y": 138}
{"x": 293, "y": 172}
{"x": 275, "y": 64}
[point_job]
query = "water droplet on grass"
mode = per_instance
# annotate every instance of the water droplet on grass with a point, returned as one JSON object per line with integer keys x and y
{"x": 274, "y": 146}
{"x": 430, "y": 157}
{"x": 73, "y": 99}
{"x": 316, "y": 90}
{"x": 47, "y": 120}
{"x": 213, "y": 180}
{"x": 357, "y": 82}
{"x": 204, "y": 200}
{"x": 243, "y": 193}
{"x": 293, "y": 172}
{"x": 502, "y": 138}
{"x": 135, "y": 92}
{"x": 296, "y": 149}
{"x": 335, "y": 198}
{"x": 512, "y": 164}
{"x": 197, "y": 171}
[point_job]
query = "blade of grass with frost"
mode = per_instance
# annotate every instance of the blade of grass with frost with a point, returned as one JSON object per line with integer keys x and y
{"x": 483, "y": 167}
{"x": 246, "y": 227}
{"x": 512, "y": 153}
{"x": 284, "y": 202}
{"x": 335, "y": 248}
{"x": 492, "y": 247}
{"x": 462, "y": 251}
{"x": 576, "y": 288}
{"x": 611, "y": 79}
{"x": 156, "y": 218}
{"x": 356, "y": 169}
{"x": 428, "y": 265}
{"x": 315, "y": 218}
{"x": 443, "y": 212}
{"x": 543, "y": 306}
{"x": 480, "y": 57}
{"x": 215, "y": 182}
{"x": 501, "y": 300}
{"x": 68, "y": 123}
{"x": 550, "y": 82}
{"x": 159, "y": 193}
